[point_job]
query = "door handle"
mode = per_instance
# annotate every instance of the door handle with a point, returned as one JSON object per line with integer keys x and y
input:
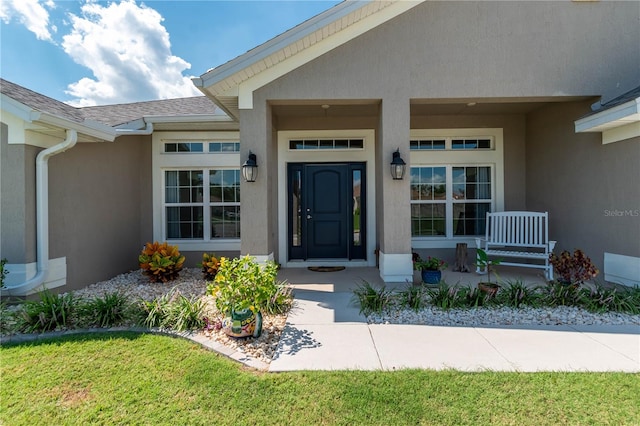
{"x": 309, "y": 217}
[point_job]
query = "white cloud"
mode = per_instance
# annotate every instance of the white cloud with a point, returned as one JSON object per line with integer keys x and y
{"x": 128, "y": 51}
{"x": 31, "y": 14}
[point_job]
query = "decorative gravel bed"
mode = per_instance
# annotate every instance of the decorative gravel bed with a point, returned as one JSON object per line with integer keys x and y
{"x": 561, "y": 315}
{"x": 190, "y": 283}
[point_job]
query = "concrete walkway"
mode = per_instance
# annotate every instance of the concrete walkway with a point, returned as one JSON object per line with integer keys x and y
{"x": 326, "y": 332}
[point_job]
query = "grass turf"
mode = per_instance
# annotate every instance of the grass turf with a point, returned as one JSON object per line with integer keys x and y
{"x": 131, "y": 378}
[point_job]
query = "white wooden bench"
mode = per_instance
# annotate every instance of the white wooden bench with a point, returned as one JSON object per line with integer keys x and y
{"x": 518, "y": 235}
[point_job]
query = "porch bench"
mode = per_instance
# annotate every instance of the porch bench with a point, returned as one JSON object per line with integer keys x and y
{"x": 518, "y": 235}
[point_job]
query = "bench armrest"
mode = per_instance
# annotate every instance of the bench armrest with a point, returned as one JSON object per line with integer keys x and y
{"x": 479, "y": 242}
{"x": 552, "y": 245}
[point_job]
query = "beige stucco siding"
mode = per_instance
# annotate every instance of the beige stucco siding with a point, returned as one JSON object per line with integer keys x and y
{"x": 442, "y": 51}
{"x": 100, "y": 206}
{"x": 514, "y": 128}
{"x": 591, "y": 190}
{"x": 17, "y": 166}
{"x": 479, "y": 49}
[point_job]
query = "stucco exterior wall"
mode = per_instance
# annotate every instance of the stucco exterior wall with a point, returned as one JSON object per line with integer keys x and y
{"x": 17, "y": 206}
{"x": 514, "y": 128}
{"x": 100, "y": 205}
{"x": 479, "y": 49}
{"x": 466, "y": 50}
{"x": 591, "y": 190}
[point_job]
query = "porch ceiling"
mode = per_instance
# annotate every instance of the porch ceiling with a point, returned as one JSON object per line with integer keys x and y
{"x": 327, "y": 109}
{"x": 493, "y": 106}
{"x": 419, "y": 107}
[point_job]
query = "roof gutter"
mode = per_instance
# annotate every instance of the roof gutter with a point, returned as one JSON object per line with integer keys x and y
{"x": 42, "y": 215}
{"x": 147, "y": 130}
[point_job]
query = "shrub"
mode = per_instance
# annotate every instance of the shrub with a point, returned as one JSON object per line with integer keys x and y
{"x": 209, "y": 265}
{"x": 242, "y": 283}
{"x": 413, "y": 297}
{"x": 575, "y": 268}
{"x": 371, "y": 299}
{"x": 281, "y": 302}
{"x": 472, "y": 297}
{"x": 49, "y": 313}
{"x": 110, "y": 310}
{"x": 600, "y": 299}
{"x": 156, "y": 311}
{"x": 516, "y": 294}
{"x": 161, "y": 262}
{"x": 7, "y": 319}
{"x": 557, "y": 293}
{"x": 3, "y": 272}
{"x": 174, "y": 311}
{"x": 446, "y": 297}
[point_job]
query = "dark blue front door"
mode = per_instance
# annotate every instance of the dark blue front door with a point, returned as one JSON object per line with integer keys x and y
{"x": 326, "y": 211}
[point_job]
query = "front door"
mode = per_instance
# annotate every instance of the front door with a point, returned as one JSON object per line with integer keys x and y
{"x": 325, "y": 211}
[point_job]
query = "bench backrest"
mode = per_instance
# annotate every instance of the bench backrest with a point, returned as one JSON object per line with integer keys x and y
{"x": 520, "y": 229}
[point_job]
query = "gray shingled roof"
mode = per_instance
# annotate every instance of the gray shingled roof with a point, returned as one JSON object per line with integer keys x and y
{"x": 111, "y": 115}
{"x": 625, "y": 97}
{"x": 114, "y": 115}
{"x": 40, "y": 102}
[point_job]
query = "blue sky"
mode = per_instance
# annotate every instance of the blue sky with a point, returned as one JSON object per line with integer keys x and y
{"x": 105, "y": 52}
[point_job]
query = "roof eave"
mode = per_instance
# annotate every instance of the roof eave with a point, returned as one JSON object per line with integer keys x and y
{"x": 279, "y": 42}
{"x": 231, "y": 85}
{"x": 620, "y": 115}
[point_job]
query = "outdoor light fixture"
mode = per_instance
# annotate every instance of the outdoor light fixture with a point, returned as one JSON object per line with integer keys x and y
{"x": 397, "y": 166}
{"x": 250, "y": 168}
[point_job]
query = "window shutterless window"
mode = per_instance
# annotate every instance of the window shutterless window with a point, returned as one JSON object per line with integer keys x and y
{"x": 449, "y": 201}
{"x": 193, "y": 198}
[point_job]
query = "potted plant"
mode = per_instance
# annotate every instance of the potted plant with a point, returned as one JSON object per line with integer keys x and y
{"x": 242, "y": 288}
{"x": 573, "y": 269}
{"x": 431, "y": 269}
{"x": 486, "y": 264}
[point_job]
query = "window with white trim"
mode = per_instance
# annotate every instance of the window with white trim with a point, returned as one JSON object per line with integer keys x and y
{"x": 196, "y": 189}
{"x": 194, "y": 198}
{"x": 450, "y": 200}
{"x": 456, "y": 178}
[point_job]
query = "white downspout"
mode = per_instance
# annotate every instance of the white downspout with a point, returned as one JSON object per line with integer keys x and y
{"x": 42, "y": 215}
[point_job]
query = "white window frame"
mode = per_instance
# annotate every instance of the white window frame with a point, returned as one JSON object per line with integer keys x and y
{"x": 449, "y": 158}
{"x": 204, "y": 161}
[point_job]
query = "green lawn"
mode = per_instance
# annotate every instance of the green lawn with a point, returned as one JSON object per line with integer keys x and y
{"x": 130, "y": 378}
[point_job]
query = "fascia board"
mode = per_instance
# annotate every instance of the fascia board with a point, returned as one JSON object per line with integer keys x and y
{"x": 624, "y": 113}
{"x": 624, "y": 132}
{"x": 16, "y": 108}
{"x": 194, "y": 118}
{"x": 90, "y": 128}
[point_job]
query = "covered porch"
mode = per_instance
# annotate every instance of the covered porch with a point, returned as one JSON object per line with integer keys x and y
{"x": 346, "y": 280}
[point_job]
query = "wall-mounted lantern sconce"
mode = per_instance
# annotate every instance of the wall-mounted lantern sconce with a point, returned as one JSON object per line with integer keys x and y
{"x": 250, "y": 168}
{"x": 397, "y": 166}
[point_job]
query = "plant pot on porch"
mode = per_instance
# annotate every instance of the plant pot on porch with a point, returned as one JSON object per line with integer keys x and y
{"x": 490, "y": 289}
{"x": 243, "y": 323}
{"x": 431, "y": 276}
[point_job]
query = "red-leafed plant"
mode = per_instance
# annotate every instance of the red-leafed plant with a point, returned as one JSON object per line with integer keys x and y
{"x": 573, "y": 268}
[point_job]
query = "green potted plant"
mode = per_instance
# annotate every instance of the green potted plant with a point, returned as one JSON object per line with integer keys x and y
{"x": 431, "y": 269}
{"x": 242, "y": 289}
{"x": 483, "y": 262}
{"x": 573, "y": 269}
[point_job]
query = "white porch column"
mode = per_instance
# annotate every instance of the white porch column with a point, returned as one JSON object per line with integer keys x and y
{"x": 394, "y": 213}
